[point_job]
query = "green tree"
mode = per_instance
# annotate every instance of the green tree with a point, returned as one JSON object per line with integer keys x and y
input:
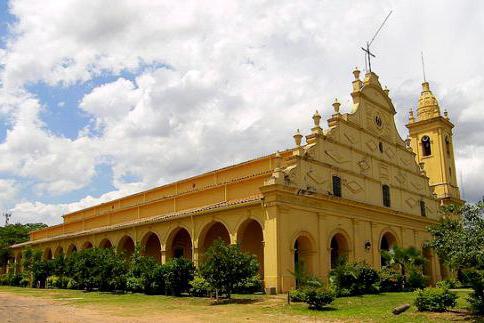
{"x": 224, "y": 266}
{"x": 458, "y": 239}
{"x": 13, "y": 234}
{"x": 404, "y": 259}
{"x": 178, "y": 273}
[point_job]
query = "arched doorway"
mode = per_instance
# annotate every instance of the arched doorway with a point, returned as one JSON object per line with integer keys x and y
{"x": 339, "y": 249}
{"x": 47, "y": 254}
{"x": 387, "y": 242}
{"x": 71, "y": 249}
{"x": 251, "y": 240}
{"x": 215, "y": 231}
{"x": 151, "y": 246}
{"x": 87, "y": 245}
{"x": 59, "y": 251}
{"x": 303, "y": 254}
{"x": 105, "y": 244}
{"x": 126, "y": 246}
{"x": 180, "y": 244}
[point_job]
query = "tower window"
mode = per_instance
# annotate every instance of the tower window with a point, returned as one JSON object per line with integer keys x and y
{"x": 386, "y": 195}
{"x": 450, "y": 172}
{"x": 380, "y": 146}
{"x": 427, "y": 151}
{"x": 422, "y": 208}
{"x": 336, "y": 186}
{"x": 447, "y": 146}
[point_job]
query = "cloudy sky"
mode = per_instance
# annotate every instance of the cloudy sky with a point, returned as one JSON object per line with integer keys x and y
{"x": 99, "y": 99}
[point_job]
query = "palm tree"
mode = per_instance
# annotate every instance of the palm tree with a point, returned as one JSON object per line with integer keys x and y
{"x": 404, "y": 259}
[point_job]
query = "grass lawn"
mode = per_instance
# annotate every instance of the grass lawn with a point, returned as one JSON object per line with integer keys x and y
{"x": 368, "y": 308}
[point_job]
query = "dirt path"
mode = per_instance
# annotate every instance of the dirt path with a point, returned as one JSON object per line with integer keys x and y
{"x": 14, "y": 308}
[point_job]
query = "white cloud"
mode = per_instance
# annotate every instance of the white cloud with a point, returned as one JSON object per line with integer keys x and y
{"x": 8, "y": 193}
{"x": 225, "y": 81}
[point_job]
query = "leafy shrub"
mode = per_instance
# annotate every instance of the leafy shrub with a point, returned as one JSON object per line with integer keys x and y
{"x": 25, "y": 281}
{"x": 317, "y": 298}
{"x": 435, "y": 299}
{"x": 249, "y": 285}
{"x": 97, "y": 268}
{"x": 134, "y": 284}
{"x": 297, "y": 295}
{"x": 416, "y": 280}
{"x": 200, "y": 287}
{"x": 57, "y": 282}
{"x": 53, "y": 282}
{"x": 225, "y": 266}
{"x": 448, "y": 283}
{"x": 178, "y": 274}
{"x": 390, "y": 280}
{"x": 146, "y": 271}
{"x": 71, "y": 284}
{"x": 354, "y": 279}
{"x": 4, "y": 280}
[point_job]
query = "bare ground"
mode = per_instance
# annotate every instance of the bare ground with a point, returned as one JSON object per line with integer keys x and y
{"x": 14, "y": 308}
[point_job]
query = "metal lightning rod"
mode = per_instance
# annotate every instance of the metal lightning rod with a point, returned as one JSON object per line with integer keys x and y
{"x": 368, "y": 53}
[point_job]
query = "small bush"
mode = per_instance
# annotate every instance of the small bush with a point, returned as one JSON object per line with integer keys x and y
{"x": 416, "y": 280}
{"x": 200, "y": 287}
{"x": 3, "y": 280}
{"x": 435, "y": 299}
{"x": 134, "y": 284}
{"x": 297, "y": 295}
{"x": 317, "y": 298}
{"x": 390, "y": 280}
{"x": 448, "y": 283}
{"x": 354, "y": 279}
{"x": 53, "y": 282}
{"x": 56, "y": 282}
{"x": 249, "y": 285}
{"x": 72, "y": 284}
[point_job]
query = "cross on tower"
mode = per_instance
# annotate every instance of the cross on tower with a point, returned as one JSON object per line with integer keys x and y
{"x": 368, "y": 55}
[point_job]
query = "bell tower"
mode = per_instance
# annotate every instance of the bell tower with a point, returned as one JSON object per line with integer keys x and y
{"x": 430, "y": 137}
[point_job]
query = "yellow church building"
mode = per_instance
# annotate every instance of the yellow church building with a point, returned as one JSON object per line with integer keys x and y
{"x": 353, "y": 188}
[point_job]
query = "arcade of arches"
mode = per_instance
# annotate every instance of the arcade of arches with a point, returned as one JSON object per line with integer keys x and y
{"x": 350, "y": 191}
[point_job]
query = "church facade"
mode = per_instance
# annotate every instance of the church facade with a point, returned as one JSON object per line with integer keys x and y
{"x": 352, "y": 189}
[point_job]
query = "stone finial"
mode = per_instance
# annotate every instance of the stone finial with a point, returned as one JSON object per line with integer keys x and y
{"x": 336, "y": 106}
{"x": 356, "y": 73}
{"x": 278, "y": 160}
{"x": 446, "y": 114}
{"x": 316, "y": 118}
{"x": 297, "y": 138}
{"x": 411, "y": 117}
{"x": 386, "y": 90}
{"x": 407, "y": 142}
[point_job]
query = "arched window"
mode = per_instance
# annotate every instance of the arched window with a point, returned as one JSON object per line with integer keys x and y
{"x": 386, "y": 195}
{"x": 426, "y": 149}
{"x": 336, "y": 186}
{"x": 447, "y": 145}
{"x": 422, "y": 208}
